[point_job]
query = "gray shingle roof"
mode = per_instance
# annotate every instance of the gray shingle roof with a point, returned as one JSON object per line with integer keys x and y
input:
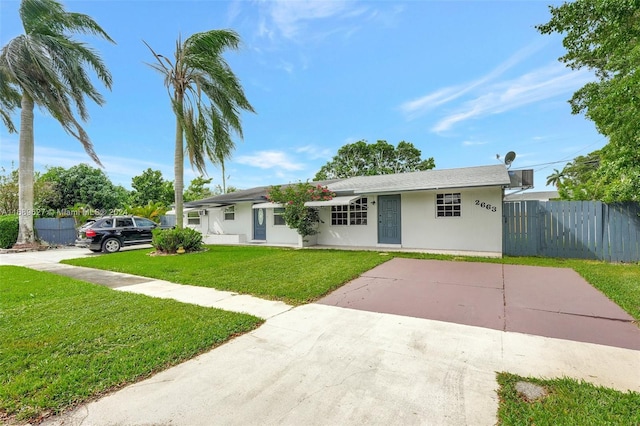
{"x": 430, "y": 179}
{"x": 414, "y": 181}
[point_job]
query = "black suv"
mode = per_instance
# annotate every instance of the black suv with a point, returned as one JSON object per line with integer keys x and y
{"x": 109, "y": 233}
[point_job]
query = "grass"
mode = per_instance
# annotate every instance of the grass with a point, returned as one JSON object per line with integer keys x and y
{"x": 569, "y": 402}
{"x": 64, "y": 341}
{"x": 293, "y": 276}
{"x": 302, "y": 276}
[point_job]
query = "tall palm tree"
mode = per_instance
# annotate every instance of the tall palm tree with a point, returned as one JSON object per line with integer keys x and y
{"x": 46, "y": 67}
{"x": 206, "y": 97}
{"x": 555, "y": 178}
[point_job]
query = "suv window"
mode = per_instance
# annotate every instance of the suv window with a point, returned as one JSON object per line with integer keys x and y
{"x": 107, "y": 223}
{"x": 124, "y": 222}
{"x": 144, "y": 222}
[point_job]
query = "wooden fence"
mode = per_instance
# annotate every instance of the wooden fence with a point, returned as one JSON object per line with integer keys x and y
{"x": 56, "y": 230}
{"x": 572, "y": 229}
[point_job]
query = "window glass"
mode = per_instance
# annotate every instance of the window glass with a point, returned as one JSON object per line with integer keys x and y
{"x": 108, "y": 223}
{"x": 230, "y": 213}
{"x": 124, "y": 222}
{"x": 352, "y": 214}
{"x": 278, "y": 218}
{"x": 449, "y": 205}
{"x": 144, "y": 222}
{"x": 193, "y": 218}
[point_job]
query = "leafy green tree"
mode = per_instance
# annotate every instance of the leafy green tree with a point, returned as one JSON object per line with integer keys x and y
{"x": 602, "y": 36}
{"x": 43, "y": 192}
{"x": 199, "y": 73}
{"x": 578, "y": 178}
{"x": 198, "y": 189}
{"x": 381, "y": 158}
{"x": 150, "y": 187}
{"x": 296, "y": 215}
{"x": 45, "y": 66}
{"x": 85, "y": 185}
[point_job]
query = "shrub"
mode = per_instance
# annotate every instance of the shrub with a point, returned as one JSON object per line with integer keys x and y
{"x": 169, "y": 240}
{"x": 296, "y": 215}
{"x": 9, "y": 226}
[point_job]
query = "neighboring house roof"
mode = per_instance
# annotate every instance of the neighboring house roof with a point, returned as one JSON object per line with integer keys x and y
{"x": 532, "y": 196}
{"x": 425, "y": 180}
{"x": 465, "y": 177}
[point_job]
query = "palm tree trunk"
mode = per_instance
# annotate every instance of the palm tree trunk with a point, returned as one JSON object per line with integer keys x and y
{"x": 178, "y": 168}
{"x": 25, "y": 172}
{"x": 224, "y": 179}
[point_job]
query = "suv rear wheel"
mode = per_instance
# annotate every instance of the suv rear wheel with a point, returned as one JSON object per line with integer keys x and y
{"x": 111, "y": 245}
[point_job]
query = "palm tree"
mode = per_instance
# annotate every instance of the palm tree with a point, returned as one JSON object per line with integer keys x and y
{"x": 555, "y": 178}
{"x": 46, "y": 67}
{"x": 199, "y": 72}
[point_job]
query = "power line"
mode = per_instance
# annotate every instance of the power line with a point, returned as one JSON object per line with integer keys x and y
{"x": 568, "y": 159}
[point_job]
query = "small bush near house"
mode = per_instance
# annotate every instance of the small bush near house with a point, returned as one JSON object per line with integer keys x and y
{"x": 170, "y": 240}
{"x": 9, "y": 226}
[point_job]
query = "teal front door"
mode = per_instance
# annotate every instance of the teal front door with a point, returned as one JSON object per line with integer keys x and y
{"x": 259, "y": 224}
{"x": 389, "y": 231}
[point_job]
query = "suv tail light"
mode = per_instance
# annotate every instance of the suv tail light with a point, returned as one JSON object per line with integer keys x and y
{"x": 90, "y": 233}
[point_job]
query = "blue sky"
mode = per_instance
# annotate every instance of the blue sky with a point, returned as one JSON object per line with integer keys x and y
{"x": 461, "y": 80}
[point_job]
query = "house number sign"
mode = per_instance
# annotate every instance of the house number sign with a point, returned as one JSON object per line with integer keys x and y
{"x": 487, "y": 206}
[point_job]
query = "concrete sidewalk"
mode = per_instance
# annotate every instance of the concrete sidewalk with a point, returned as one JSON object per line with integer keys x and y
{"x": 317, "y": 365}
{"x": 325, "y": 365}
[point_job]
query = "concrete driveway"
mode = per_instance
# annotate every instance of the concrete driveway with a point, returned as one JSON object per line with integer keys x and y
{"x": 551, "y": 302}
{"x": 324, "y": 365}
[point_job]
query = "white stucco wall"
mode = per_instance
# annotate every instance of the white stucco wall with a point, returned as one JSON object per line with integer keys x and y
{"x": 214, "y": 223}
{"x": 477, "y": 230}
{"x": 349, "y": 235}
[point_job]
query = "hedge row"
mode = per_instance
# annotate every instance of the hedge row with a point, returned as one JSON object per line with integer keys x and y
{"x": 9, "y": 226}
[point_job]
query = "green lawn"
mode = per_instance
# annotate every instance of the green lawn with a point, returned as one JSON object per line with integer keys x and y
{"x": 293, "y": 276}
{"x": 568, "y": 402}
{"x": 64, "y": 341}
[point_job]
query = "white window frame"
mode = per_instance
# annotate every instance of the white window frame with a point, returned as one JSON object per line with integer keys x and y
{"x": 193, "y": 218}
{"x": 448, "y": 205}
{"x": 278, "y": 215}
{"x": 229, "y": 213}
{"x": 352, "y": 214}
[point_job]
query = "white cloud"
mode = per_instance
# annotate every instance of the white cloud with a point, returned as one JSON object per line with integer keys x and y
{"x": 313, "y": 152}
{"x": 538, "y": 85}
{"x": 473, "y": 143}
{"x": 290, "y": 16}
{"x": 269, "y": 160}
{"x": 419, "y": 106}
{"x": 296, "y": 19}
{"x": 119, "y": 169}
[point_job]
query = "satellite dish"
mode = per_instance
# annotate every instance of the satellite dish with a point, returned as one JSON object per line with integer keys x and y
{"x": 508, "y": 159}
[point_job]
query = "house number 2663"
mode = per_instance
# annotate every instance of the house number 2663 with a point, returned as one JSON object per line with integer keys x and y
{"x": 487, "y": 206}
